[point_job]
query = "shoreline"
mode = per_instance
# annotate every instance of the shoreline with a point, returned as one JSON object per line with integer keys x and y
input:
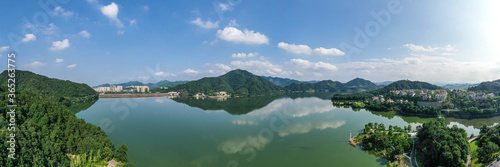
{"x": 117, "y": 96}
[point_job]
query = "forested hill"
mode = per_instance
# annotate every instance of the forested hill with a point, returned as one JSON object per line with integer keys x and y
{"x": 163, "y": 83}
{"x": 326, "y": 85}
{"x": 237, "y": 82}
{"x": 490, "y": 86}
{"x": 362, "y": 83}
{"x": 281, "y": 81}
{"x": 51, "y": 88}
{"x": 405, "y": 84}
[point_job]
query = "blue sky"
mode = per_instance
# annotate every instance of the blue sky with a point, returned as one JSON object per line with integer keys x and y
{"x": 98, "y": 41}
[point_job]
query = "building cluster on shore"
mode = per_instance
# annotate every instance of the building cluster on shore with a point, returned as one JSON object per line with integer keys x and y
{"x": 114, "y": 88}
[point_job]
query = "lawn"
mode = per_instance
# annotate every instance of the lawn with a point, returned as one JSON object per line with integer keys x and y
{"x": 473, "y": 148}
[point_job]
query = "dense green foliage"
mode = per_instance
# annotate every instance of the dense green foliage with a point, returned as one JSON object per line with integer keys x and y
{"x": 281, "y": 81}
{"x": 362, "y": 83}
{"x": 488, "y": 143}
{"x": 121, "y": 153}
{"x": 66, "y": 92}
{"x": 46, "y": 131}
{"x": 236, "y": 82}
{"x": 387, "y": 142}
{"x": 327, "y": 85}
{"x": 405, "y": 84}
{"x": 440, "y": 145}
{"x": 490, "y": 86}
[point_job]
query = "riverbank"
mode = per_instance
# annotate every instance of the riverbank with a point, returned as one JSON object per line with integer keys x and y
{"x": 113, "y": 96}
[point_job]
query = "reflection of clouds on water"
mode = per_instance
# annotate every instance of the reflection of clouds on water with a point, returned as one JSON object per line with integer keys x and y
{"x": 299, "y": 107}
{"x": 160, "y": 100}
{"x": 306, "y": 127}
{"x": 244, "y": 122}
{"x": 236, "y": 145}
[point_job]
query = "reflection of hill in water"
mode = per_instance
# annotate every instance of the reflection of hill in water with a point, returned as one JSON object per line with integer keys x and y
{"x": 476, "y": 123}
{"x": 77, "y": 107}
{"x": 321, "y": 95}
{"x": 234, "y": 106}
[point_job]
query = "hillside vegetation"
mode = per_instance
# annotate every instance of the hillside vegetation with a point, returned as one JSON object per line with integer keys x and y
{"x": 236, "y": 82}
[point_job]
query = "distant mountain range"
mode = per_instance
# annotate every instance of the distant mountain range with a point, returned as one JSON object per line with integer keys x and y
{"x": 460, "y": 85}
{"x": 236, "y": 82}
{"x": 285, "y": 81}
{"x": 163, "y": 83}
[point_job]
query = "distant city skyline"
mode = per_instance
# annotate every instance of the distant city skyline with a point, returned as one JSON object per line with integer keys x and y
{"x": 97, "y": 41}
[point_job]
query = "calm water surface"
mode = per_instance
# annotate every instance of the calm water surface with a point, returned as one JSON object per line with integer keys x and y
{"x": 266, "y": 131}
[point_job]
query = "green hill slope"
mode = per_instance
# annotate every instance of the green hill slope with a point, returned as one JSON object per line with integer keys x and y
{"x": 406, "y": 84}
{"x": 53, "y": 89}
{"x": 362, "y": 84}
{"x": 237, "y": 82}
{"x": 490, "y": 86}
{"x": 281, "y": 81}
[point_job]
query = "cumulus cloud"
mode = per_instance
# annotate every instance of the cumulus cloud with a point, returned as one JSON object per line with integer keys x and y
{"x": 145, "y": 7}
{"x": 29, "y": 37}
{"x": 59, "y": 11}
{"x": 305, "y": 64}
{"x": 244, "y": 55}
{"x": 223, "y": 67}
{"x": 111, "y": 11}
{"x": 232, "y": 34}
{"x": 163, "y": 74}
{"x": 260, "y": 67}
{"x": 59, "y": 60}
{"x": 306, "y": 50}
{"x": 445, "y": 50}
{"x": 60, "y": 45}
{"x": 191, "y": 71}
{"x": 224, "y": 6}
{"x": 205, "y": 24}
{"x": 84, "y": 33}
{"x": 36, "y": 64}
{"x": 71, "y": 66}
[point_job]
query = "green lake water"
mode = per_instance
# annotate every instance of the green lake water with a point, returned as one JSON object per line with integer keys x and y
{"x": 262, "y": 131}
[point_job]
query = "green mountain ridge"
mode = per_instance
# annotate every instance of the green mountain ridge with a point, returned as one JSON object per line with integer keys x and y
{"x": 237, "y": 82}
{"x": 52, "y": 88}
{"x": 406, "y": 84}
{"x": 164, "y": 83}
{"x": 281, "y": 81}
{"x": 488, "y": 86}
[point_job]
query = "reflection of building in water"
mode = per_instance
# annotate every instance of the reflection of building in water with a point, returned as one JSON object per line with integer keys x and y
{"x": 140, "y": 88}
{"x": 173, "y": 94}
{"x": 199, "y": 96}
{"x": 221, "y": 99}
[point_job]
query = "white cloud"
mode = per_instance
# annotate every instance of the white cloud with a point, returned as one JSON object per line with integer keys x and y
{"x": 4, "y": 48}
{"x": 36, "y": 64}
{"x": 29, "y": 37}
{"x": 120, "y": 32}
{"x": 111, "y": 11}
{"x": 304, "y": 49}
{"x": 145, "y": 7}
{"x": 191, "y": 71}
{"x": 59, "y": 11}
{"x": 224, "y": 6}
{"x": 205, "y": 24}
{"x": 232, "y": 34}
{"x": 59, "y": 60}
{"x": 132, "y": 22}
{"x": 261, "y": 67}
{"x": 60, "y": 45}
{"x": 71, "y": 66}
{"x": 244, "y": 55}
{"x": 223, "y": 67}
{"x": 445, "y": 50}
{"x": 163, "y": 74}
{"x": 84, "y": 33}
{"x": 305, "y": 64}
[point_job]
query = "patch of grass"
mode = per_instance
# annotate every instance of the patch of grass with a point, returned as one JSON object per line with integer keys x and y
{"x": 474, "y": 160}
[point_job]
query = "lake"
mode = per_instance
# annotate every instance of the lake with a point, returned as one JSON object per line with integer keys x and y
{"x": 262, "y": 131}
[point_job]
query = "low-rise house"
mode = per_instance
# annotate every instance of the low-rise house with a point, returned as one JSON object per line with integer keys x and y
{"x": 492, "y": 95}
{"x": 390, "y": 100}
{"x": 375, "y": 98}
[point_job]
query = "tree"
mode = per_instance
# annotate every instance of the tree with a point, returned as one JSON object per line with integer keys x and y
{"x": 121, "y": 153}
